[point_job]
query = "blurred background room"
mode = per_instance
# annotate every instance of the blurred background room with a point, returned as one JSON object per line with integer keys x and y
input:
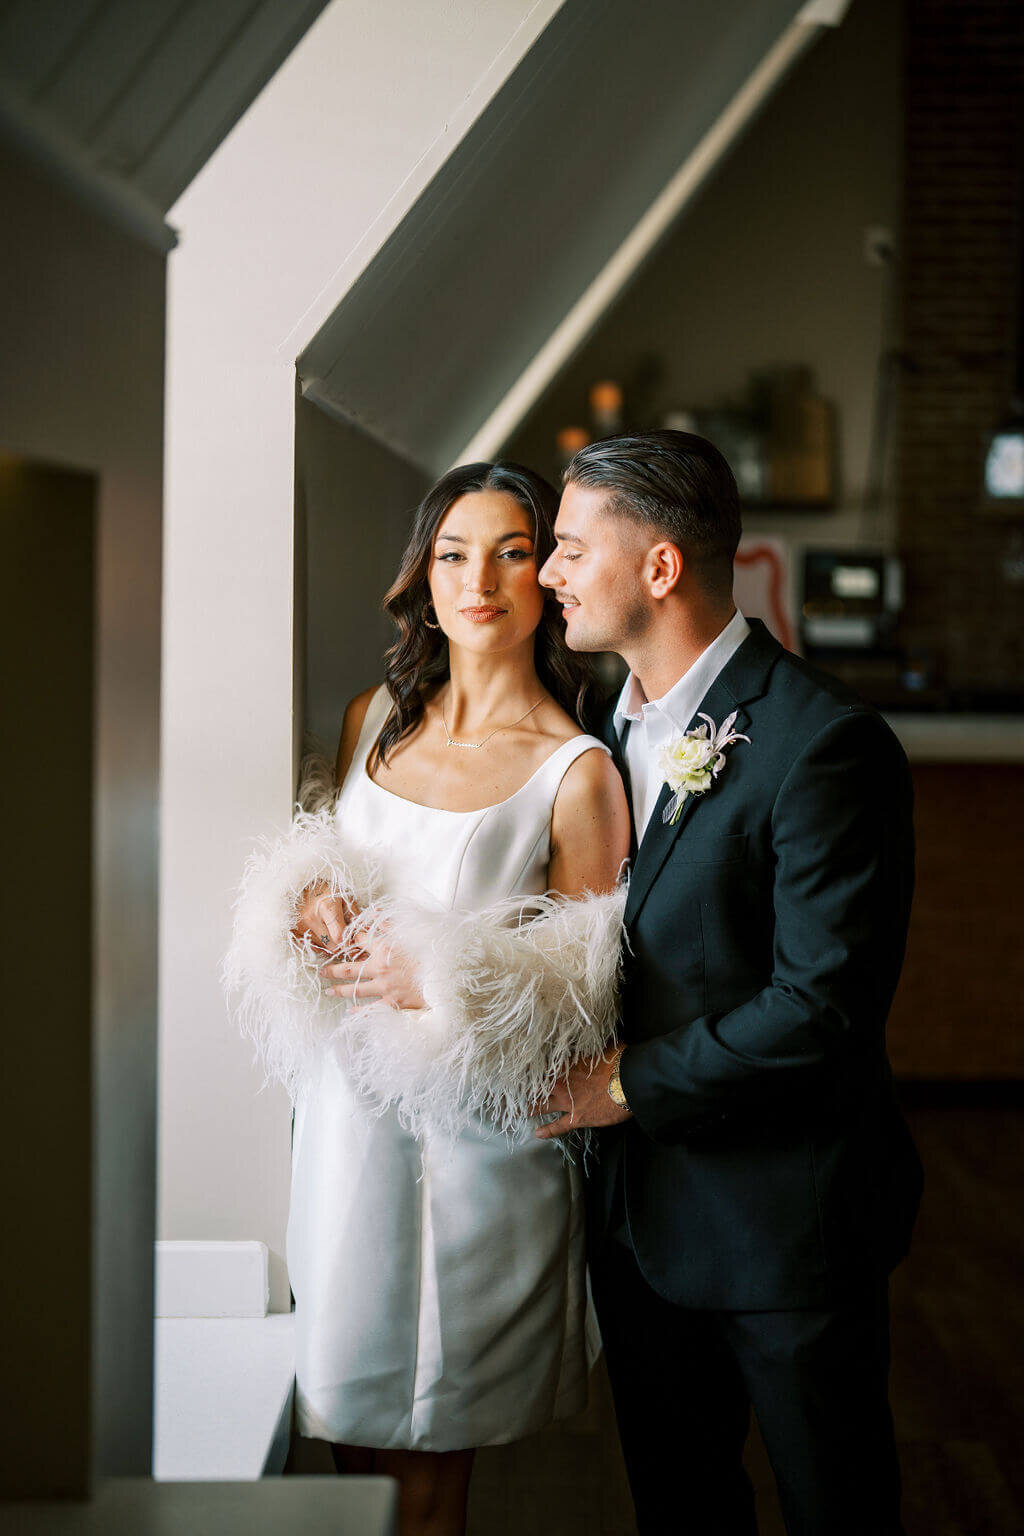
{"x": 268, "y": 270}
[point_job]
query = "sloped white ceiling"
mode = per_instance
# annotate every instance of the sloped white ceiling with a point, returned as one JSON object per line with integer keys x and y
{"x": 141, "y": 91}
{"x": 131, "y": 97}
{"x": 529, "y": 207}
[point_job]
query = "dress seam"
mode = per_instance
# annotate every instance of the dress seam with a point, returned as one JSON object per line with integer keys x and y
{"x": 424, "y": 1188}
{"x": 462, "y": 859}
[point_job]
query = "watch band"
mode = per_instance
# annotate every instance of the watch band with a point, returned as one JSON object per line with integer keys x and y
{"x": 615, "y": 1092}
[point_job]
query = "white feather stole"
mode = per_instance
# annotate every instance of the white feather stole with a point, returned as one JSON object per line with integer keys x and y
{"x": 515, "y": 991}
{"x": 274, "y": 987}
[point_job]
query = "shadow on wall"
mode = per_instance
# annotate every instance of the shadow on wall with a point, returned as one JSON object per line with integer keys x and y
{"x": 354, "y": 500}
{"x": 47, "y": 518}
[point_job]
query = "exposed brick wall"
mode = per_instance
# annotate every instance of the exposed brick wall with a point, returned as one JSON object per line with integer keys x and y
{"x": 964, "y": 109}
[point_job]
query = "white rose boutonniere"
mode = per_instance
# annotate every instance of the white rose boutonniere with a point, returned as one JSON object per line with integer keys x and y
{"x": 692, "y": 761}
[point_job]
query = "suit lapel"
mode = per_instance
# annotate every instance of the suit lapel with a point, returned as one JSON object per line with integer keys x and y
{"x": 744, "y": 678}
{"x": 609, "y": 735}
{"x": 617, "y": 745}
{"x": 659, "y": 837}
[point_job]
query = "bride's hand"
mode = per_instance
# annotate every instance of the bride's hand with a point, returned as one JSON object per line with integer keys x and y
{"x": 379, "y": 972}
{"x": 324, "y": 918}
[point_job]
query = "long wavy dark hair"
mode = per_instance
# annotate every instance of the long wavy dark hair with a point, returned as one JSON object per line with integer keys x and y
{"x": 417, "y": 662}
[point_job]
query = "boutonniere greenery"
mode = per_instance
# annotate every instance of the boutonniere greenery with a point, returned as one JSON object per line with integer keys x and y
{"x": 692, "y": 761}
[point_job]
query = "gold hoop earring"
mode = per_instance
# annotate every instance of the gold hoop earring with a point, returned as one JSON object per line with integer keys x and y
{"x": 430, "y": 622}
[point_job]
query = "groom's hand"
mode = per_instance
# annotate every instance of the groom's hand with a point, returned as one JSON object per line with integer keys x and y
{"x": 582, "y": 1100}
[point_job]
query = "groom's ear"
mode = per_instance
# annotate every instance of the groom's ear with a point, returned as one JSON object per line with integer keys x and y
{"x": 664, "y": 568}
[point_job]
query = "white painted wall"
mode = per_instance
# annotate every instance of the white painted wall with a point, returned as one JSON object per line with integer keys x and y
{"x": 273, "y": 231}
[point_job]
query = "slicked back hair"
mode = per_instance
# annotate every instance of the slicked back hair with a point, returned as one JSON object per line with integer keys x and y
{"x": 677, "y": 485}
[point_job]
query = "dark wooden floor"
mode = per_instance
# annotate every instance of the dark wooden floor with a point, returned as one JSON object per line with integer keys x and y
{"x": 957, "y": 1378}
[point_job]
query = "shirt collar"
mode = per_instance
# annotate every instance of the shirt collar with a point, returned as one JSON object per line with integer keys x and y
{"x": 679, "y": 702}
{"x": 630, "y": 702}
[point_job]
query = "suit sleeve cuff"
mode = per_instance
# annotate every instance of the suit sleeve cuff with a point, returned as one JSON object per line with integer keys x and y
{"x": 660, "y": 1114}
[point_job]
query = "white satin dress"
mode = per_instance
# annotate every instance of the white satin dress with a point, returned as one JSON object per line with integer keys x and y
{"x": 439, "y": 1288}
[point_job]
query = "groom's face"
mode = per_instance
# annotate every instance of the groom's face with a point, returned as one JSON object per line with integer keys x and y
{"x": 596, "y": 572}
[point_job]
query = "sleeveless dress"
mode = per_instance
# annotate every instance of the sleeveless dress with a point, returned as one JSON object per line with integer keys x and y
{"x": 439, "y": 1287}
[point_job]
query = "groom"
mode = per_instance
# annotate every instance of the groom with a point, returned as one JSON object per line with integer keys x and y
{"x": 755, "y": 1181}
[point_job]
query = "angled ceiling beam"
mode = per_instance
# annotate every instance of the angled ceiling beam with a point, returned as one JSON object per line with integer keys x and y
{"x": 372, "y": 237}
{"x": 588, "y": 310}
{"x": 114, "y": 199}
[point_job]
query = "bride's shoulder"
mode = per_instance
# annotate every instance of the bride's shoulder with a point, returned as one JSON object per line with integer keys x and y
{"x": 589, "y": 824}
{"x": 556, "y": 724}
{"x": 591, "y": 787}
{"x": 594, "y": 760}
{"x": 351, "y": 728}
{"x": 591, "y": 783}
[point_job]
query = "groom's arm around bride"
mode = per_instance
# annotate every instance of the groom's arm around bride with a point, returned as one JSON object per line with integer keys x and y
{"x": 760, "y": 1182}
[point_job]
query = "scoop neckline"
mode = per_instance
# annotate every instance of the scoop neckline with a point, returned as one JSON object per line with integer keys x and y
{"x": 444, "y": 811}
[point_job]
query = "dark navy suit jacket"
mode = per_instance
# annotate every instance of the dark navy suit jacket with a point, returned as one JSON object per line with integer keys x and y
{"x": 767, "y": 1164}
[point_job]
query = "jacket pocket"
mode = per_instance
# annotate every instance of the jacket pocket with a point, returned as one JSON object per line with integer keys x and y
{"x": 730, "y": 848}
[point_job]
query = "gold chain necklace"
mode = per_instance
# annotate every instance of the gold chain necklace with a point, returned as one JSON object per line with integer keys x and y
{"x": 474, "y": 746}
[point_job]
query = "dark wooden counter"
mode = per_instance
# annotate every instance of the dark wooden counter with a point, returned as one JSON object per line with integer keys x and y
{"x": 958, "y": 1010}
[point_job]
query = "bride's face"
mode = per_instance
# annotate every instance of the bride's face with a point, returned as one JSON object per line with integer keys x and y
{"x": 483, "y": 573}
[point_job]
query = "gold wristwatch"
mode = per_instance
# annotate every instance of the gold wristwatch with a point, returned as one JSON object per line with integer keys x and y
{"x": 615, "y": 1092}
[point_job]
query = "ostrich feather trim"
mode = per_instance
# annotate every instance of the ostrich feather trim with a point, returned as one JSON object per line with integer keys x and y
{"x": 272, "y": 979}
{"x": 516, "y": 992}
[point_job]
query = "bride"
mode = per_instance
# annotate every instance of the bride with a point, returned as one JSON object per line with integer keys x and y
{"x": 425, "y": 998}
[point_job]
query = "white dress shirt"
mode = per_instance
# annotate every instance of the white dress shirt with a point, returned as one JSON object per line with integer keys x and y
{"x": 652, "y": 724}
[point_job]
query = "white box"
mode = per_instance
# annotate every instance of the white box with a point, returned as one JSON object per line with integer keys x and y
{"x": 195, "y": 1279}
